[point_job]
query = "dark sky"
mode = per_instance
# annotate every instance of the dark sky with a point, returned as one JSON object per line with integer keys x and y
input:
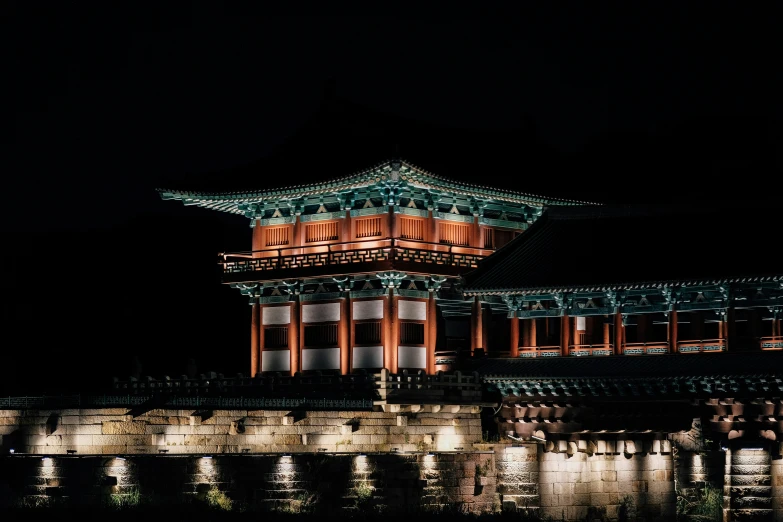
{"x": 102, "y": 104}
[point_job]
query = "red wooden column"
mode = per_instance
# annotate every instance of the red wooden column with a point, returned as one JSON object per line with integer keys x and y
{"x": 476, "y": 233}
{"x": 524, "y": 327}
{"x": 390, "y": 332}
{"x": 255, "y": 338}
{"x": 258, "y": 232}
{"x": 607, "y": 336}
{"x": 344, "y": 333}
{"x": 673, "y": 331}
{"x": 619, "y": 333}
{"x": 296, "y": 238}
{"x": 345, "y": 235}
{"x": 565, "y": 334}
{"x": 432, "y": 329}
{"x": 293, "y": 335}
{"x": 476, "y": 326}
{"x": 513, "y": 336}
{"x": 533, "y": 333}
{"x": 394, "y": 331}
{"x": 392, "y": 222}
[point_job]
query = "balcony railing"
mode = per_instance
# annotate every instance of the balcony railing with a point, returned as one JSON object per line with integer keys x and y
{"x": 539, "y": 351}
{"x": 705, "y": 345}
{"x": 580, "y": 350}
{"x": 651, "y": 348}
{"x": 771, "y": 343}
{"x": 395, "y": 250}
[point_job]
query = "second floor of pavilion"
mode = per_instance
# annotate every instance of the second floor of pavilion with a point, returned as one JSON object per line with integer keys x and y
{"x": 394, "y": 216}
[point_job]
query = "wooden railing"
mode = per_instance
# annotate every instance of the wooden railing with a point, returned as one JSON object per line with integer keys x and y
{"x": 590, "y": 349}
{"x": 651, "y": 348}
{"x": 704, "y": 345}
{"x": 771, "y": 343}
{"x": 352, "y": 252}
{"x": 539, "y": 351}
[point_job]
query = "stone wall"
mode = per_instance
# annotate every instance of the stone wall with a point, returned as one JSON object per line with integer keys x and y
{"x": 776, "y": 476}
{"x": 463, "y": 482}
{"x": 115, "y": 432}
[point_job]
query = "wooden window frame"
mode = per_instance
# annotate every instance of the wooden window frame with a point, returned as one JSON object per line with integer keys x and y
{"x": 305, "y": 326}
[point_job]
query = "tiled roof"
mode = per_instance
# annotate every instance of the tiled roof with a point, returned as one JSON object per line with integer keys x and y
{"x": 621, "y": 366}
{"x": 610, "y": 247}
{"x": 231, "y": 201}
{"x": 750, "y": 375}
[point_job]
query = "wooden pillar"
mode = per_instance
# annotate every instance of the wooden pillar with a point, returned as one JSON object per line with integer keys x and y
{"x": 476, "y": 233}
{"x": 432, "y": 332}
{"x": 730, "y": 329}
{"x": 387, "y": 341}
{"x": 293, "y": 335}
{"x": 258, "y": 232}
{"x": 433, "y": 227}
{"x": 565, "y": 334}
{"x": 297, "y": 238}
{"x": 641, "y": 328}
{"x": 261, "y": 339}
{"x": 607, "y": 336}
{"x": 673, "y": 331}
{"x": 345, "y": 236}
{"x": 476, "y": 326}
{"x": 533, "y": 333}
{"x": 513, "y": 336}
{"x": 345, "y": 341}
{"x": 619, "y": 331}
{"x": 255, "y": 347}
{"x": 394, "y": 331}
{"x": 578, "y": 337}
{"x": 392, "y": 223}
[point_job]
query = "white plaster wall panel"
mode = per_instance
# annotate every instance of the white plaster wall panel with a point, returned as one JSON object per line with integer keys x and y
{"x": 367, "y": 310}
{"x": 368, "y": 356}
{"x": 412, "y": 357}
{"x": 276, "y": 314}
{"x": 321, "y": 313}
{"x": 276, "y": 361}
{"x": 581, "y": 324}
{"x": 321, "y": 359}
{"x": 412, "y": 310}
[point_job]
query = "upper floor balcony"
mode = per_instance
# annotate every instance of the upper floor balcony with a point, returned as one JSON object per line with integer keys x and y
{"x": 353, "y": 257}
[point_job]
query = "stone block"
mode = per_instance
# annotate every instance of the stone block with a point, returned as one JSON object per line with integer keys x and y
{"x": 123, "y": 428}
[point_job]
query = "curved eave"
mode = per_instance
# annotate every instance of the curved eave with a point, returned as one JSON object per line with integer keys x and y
{"x": 230, "y": 201}
{"x": 617, "y": 286}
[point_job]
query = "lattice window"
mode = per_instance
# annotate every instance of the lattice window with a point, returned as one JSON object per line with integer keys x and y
{"x": 489, "y": 238}
{"x": 411, "y": 333}
{"x": 276, "y": 337}
{"x": 277, "y": 236}
{"x": 320, "y": 335}
{"x": 455, "y": 234}
{"x": 322, "y": 232}
{"x": 367, "y": 333}
{"x": 369, "y": 227}
{"x": 412, "y": 229}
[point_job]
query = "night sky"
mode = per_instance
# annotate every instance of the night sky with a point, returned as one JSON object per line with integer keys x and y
{"x": 102, "y": 105}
